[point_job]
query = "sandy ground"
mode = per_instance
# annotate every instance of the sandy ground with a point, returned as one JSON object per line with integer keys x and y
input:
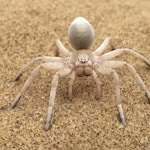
{"x": 28, "y": 29}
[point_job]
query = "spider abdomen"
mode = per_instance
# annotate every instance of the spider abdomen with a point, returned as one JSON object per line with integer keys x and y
{"x": 81, "y": 34}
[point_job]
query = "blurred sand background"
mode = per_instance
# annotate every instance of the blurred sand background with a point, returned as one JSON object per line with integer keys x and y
{"x": 29, "y": 28}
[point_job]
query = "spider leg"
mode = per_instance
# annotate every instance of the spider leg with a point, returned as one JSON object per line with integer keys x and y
{"x": 63, "y": 72}
{"x": 50, "y": 65}
{"x": 98, "y": 83}
{"x": 62, "y": 49}
{"x": 72, "y": 78}
{"x": 116, "y": 64}
{"x": 33, "y": 61}
{"x": 103, "y": 46}
{"x": 117, "y": 52}
{"x": 104, "y": 70}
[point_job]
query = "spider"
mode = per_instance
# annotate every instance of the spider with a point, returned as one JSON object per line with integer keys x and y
{"x": 82, "y": 62}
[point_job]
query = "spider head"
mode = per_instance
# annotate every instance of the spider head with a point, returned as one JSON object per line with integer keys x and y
{"x": 82, "y": 58}
{"x": 83, "y": 63}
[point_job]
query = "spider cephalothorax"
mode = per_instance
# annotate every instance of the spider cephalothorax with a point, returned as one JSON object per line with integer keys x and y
{"x": 83, "y": 62}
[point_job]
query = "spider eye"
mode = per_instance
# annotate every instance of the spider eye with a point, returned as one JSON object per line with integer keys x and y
{"x": 83, "y": 59}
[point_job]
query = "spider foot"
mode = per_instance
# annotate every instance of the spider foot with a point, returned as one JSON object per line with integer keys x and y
{"x": 70, "y": 98}
{"x": 121, "y": 120}
{"x": 98, "y": 96}
{"x": 49, "y": 118}
{"x": 147, "y": 63}
{"x": 112, "y": 47}
{"x": 148, "y": 96}
{"x": 121, "y": 115}
{"x": 16, "y": 78}
{"x": 47, "y": 126}
{"x": 14, "y": 103}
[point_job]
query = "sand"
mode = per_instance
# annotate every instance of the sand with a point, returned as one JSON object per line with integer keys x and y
{"x": 29, "y": 29}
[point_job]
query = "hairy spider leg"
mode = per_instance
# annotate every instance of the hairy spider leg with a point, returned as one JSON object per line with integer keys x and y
{"x": 35, "y": 60}
{"x": 116, "y": 64}
{"x": 117, "y": 52}
{"x": 103, "y": 70}
{"x": 72, "y": 78}
{"x": 50, "y": 65}
{"x": 58, "y": 74}
{"x": 98, "y": 84}
{"x": 103, "y": 46}
{"x": 62, "y": 49}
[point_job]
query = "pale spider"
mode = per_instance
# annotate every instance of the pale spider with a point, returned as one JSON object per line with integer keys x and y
{"x": 82, "y": 62}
